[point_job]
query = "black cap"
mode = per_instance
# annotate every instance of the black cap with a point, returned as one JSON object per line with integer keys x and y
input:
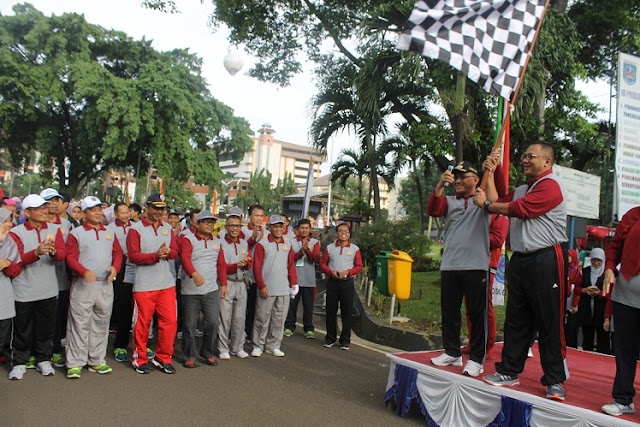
{"x": 465, "y": 167}
{"x": 156, "y": 200}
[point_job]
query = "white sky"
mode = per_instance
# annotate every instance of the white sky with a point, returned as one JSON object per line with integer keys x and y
{"x": 285, "y": 109}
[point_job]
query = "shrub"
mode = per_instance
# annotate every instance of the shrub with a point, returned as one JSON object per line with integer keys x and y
{"x": 400, "y": 235}
{"x": 425, "y": 263}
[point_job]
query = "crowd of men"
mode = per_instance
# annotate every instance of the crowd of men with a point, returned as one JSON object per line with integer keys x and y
{"x": 74, "y": 271}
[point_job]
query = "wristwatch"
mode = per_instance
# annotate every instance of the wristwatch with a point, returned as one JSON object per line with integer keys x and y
{"x": 487, "y": 203}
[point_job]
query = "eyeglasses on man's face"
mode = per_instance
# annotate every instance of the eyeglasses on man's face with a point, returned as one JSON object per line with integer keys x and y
{"x": 530, "y": 156}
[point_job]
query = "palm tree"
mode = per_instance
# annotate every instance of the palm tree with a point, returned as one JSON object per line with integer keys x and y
{"x": 416, "y": 146}
{"x": 361, "y": 100}
{"x": 350, "y": 163}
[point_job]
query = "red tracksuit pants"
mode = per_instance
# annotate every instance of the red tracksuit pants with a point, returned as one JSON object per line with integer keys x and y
{"x": 163, "y": 303}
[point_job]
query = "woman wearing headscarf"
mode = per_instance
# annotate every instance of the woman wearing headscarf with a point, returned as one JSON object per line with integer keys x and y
{"x": 575, "y": 278}
{"x": 590, "y": 304}
{"x": 10, "y": 268}
{"x": 74, "y": 214}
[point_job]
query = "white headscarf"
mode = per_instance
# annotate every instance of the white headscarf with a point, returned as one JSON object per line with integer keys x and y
{"x": 597, "y": 253}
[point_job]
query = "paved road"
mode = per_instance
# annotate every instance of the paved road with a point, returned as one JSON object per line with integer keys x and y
{"x": 311, "y": 385}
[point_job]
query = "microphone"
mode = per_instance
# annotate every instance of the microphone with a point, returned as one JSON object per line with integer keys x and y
{"x": 450, "y": 169}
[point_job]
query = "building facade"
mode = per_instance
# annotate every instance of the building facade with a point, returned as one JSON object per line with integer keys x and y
{"x": 278, "y": 157}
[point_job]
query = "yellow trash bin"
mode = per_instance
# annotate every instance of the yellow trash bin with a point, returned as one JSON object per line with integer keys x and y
{"x": 399, "y": 274}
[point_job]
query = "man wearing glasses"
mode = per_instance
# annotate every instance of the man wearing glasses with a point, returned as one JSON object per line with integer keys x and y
{"x": 537, "y": 271}
{"x": 151, "y": 245}
{"x": 464, "y": 266}
{"x": 233, "y": 302}
{"x": 40, "y": 245}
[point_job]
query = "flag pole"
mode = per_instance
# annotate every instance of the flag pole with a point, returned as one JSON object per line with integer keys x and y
{"x": 507, "y": 119}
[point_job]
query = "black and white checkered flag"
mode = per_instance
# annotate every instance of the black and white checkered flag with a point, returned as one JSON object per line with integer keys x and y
{"x": 488, "y": 40}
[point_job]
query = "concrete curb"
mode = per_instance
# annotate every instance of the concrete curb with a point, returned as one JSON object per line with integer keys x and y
{"x": 370, "y": 328}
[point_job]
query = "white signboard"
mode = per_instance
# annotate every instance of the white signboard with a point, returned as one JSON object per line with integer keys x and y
{"x": 582, "y": 192}
{"x": 627, "y": 182}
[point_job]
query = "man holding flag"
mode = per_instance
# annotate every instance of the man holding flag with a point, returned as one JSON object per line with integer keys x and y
{"x": 538, "y": 270}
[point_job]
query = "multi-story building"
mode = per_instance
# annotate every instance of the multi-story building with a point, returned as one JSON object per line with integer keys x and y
{"x": 278, "y": 157}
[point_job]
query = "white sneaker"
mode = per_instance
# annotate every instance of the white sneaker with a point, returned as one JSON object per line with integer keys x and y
{"x": 473, "y": 369}
{"x": 45, "y": 368}
{"x": 275, "y": 352}
{"x": 617, "y": 409}
{"x": 224, "y": 356}
{"x": 445, "y": 360}
{"x": 242, "y": 354}
{"x": 530, "y": 352}
{"x": 17, "y": 372}
{"x": 256, "y": 352}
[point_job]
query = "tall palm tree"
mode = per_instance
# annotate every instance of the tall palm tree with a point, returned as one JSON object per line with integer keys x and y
{"x": 361, "y": 99}
{"x": 350, "y": 163}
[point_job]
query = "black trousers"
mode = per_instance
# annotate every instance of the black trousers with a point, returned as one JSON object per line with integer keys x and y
{"x": 472, "y": 286}
{"x": 180, "y": 302}
{"x": 307, "y": 295}
{"x": 625, "y": 348}
{"x": 33, "y": 330}
{"x": 123, "y": 307}
{"x": 252, "y": 295}
{"x": 604, "y": 342}
{"x": 571, "y": 329}
{"x": 5, "y": 333}
{"x": 62, "y": 314}
{"x": 339, "y": 293}
{"x": 536, "y": 301}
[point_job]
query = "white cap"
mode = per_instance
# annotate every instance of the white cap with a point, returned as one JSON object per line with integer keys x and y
{"x": 33, "y": 201}
{"x": 49, "y": 193}
{"x": 89, "y": 202}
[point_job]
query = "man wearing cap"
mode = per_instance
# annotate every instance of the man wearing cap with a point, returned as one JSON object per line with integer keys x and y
{"x": 340, "y": 262}
{"x": 464, "y": 266}
{"x": 537, "y": 270}
{"x": 233, "y": 302}
{"x": 275, "y": 274}
{"x": 123, "y": 284}
{"x": 94, "y": 256}
{"x": 55, "y": 203}
{"x": 40, "y": 245}
{"x": 204, "y": 267}
{"x": 307, "y": 255}
{"x": 151, "y": 245}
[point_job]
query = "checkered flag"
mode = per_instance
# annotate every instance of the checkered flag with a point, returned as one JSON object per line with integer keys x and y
{"x": 488, "y": 40}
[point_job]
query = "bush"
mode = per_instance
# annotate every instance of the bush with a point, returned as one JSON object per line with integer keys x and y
{"x": 400, "y": 235}
{"x": 425, "y": 263}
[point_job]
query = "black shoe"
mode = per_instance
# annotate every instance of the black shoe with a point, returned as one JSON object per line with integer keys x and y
{"x": 167, "y": 368}
{"x": 344, "y": 346}
{"x": 143, "y": 369}
{"x": 329, "y": 344}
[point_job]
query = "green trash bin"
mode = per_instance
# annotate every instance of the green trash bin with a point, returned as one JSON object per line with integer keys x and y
{"x": 382, "y": 272}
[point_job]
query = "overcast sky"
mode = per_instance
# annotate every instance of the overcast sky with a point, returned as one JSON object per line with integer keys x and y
{"x": 285, "y": 109}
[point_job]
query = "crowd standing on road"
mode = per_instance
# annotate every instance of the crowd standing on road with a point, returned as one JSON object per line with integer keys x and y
{"x": 73, "y": 271}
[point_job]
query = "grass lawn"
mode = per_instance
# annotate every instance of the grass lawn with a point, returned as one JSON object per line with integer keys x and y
{"x": 423, "y": 308}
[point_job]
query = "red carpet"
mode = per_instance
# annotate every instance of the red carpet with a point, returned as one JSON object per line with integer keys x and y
{"x": 589, "y": 387}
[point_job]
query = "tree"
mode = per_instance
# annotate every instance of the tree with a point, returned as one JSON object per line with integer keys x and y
{"x": 90, "y": 100}
{"x": 259, "y": 191}
{"x": 350, "y": 163}
{"x": 416, "y": 146}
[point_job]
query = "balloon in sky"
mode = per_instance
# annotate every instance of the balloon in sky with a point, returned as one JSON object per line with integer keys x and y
{"x": 233, "y": 62}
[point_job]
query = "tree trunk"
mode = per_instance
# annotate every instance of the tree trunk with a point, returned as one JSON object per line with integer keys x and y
{"x": 421, "y": 205}
{"x": 458, "y": 118}
{"x": 373, "y": 175}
